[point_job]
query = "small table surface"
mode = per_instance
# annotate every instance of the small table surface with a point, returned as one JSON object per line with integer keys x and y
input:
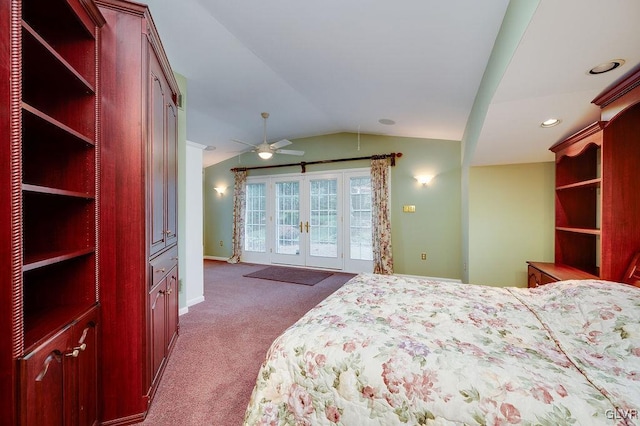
{"x": 562, "y": 272}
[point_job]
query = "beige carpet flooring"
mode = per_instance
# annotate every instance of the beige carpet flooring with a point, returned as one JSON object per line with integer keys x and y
{"x": 223, "y": 341}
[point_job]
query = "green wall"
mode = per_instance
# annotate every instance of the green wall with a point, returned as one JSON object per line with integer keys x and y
{"x": 514, "y": 24}
{"x": 434, "y": 228}
{"x": 481, "y": 231}
{"x": 511, "y": 220}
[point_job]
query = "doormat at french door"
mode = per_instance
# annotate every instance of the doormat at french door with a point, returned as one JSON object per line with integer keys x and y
{"x": 290, "y": 275}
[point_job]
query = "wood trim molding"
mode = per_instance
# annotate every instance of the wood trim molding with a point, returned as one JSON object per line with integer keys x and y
{"x": 618, "y": 98}
{"x": 156, "y": 44}
{"x": 93, "y": 12}
{"x": 144, "y": 12}
{"x": 16, "y": 178}
{"x": 619, "y": 89}
{"x": 586, "y": 136}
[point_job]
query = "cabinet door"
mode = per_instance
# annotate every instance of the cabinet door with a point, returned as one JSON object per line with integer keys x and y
{"x": 43, "y": 387}
{"x": 157, "y": 326}
{"x": 172, "y": 306}
{"x": 172, "y": 174}
{"x": 156, "y": 162}
{"x": 85, "y": 341}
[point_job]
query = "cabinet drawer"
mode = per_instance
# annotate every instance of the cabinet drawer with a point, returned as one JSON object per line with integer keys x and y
{"x": 538, "y": 278}
{"x": 161, "y": 265}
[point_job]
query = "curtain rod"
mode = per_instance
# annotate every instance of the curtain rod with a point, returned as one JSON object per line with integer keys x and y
{"x": 304, "y": 164}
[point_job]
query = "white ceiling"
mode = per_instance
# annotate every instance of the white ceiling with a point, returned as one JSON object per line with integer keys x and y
{"x": 340, "y": 66}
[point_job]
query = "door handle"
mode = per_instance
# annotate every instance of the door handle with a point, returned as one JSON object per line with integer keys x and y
{"x": 307, "y": 226}
{"x": 301, "y": 227}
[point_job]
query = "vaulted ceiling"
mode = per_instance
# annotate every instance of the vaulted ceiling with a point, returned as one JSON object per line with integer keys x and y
{"x": 341, "y": 66}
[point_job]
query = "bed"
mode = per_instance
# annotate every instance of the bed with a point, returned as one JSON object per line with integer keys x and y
{"x": 387, "y": 350}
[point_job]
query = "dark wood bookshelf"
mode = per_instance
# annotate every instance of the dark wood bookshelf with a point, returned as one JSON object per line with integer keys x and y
{"x": 50, "y": 121}
{"x": 55, "y": 191}
{"x": 41, "y": 260}
{"x": 49, "y": 58}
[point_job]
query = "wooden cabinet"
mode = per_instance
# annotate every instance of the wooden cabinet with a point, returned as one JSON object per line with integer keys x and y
{"x": 541, "y": 273}
{"x": 139, "y": 218}
{"x": 49, "y": 227}
{"x": 597, "y": 205}
{"x": 59, "y": 377}
{"x": 163, "y": 311}
{"x": 163, "y": 171}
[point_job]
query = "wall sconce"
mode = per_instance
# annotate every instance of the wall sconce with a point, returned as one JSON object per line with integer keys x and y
{"x": 424, "y": 179}
{"x": 220, "y": 190}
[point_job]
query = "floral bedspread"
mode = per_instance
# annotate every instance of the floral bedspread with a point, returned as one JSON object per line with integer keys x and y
{"x": 387, "y": 350}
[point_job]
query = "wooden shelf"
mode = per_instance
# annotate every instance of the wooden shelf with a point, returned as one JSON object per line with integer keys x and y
{"x": 50, "y": 58}
{"x": 587, "y": 231}
{"x": 44, "y": 118}
{"x": 55, "y": 191}
{"x": 41, "y": 260}
{"x": 591, "y": 183}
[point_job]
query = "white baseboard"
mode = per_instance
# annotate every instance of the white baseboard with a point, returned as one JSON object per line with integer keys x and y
{"x": 190, "y": 303}
{"x": 455, "y": 280}
{"x": 195, "y": 301}
{"x": 224, "y": 259}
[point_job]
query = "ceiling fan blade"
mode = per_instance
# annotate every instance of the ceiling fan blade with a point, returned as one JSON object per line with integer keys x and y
{"x": 245, "y": 143}
{"x": 289, "y": 152}
{"x": 280, "y": 143}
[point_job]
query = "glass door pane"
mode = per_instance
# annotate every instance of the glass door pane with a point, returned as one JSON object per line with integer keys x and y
{"x": 360, "y": 244}
{"x": 358, "y": 222}
{"x": 255, "y": 229}
{"x": 323, "y": 230}
{"x": 287, "y": 223}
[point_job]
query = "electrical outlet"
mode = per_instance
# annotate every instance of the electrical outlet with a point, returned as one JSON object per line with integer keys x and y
{"x": 221, "y": 243}
{"x": 423, "y": 256}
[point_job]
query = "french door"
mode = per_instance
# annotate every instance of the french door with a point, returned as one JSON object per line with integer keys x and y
{"x": 314, "y": 220}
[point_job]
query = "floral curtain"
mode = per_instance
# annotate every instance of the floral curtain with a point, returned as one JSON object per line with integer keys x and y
{"x": 239, "y": 208}
{"x": 382, "y": 254}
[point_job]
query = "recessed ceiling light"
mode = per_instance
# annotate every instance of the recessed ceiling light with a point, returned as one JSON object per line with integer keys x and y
{"x": 550, "y": 122}
{"x": 606, "y": 66}
{"x": 386, "y": 121}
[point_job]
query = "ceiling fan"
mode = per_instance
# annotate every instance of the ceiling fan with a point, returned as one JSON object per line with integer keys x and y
{"x": 266, "y": 150}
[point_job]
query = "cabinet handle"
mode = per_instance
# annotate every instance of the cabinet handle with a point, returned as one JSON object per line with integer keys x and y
{"x": 160, "y": 271}
{"x": 168, "y": 231}
{"x": 155, "y": 302}
{"x": 81, "y": 344}
{"x": 74, "y": 353}
{"x": 53, "y": 356}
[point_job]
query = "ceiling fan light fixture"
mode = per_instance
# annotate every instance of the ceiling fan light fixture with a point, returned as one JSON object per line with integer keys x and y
{"x": 265, "y": 155}
{"x": 606, "y": 66}
{"x": 386, "y": 121}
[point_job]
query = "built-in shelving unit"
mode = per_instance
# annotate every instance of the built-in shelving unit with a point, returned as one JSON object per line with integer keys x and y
{"x": 597, "y": 204}
{"x": 52, "y": 48}
{"x": 578, "y": 199}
